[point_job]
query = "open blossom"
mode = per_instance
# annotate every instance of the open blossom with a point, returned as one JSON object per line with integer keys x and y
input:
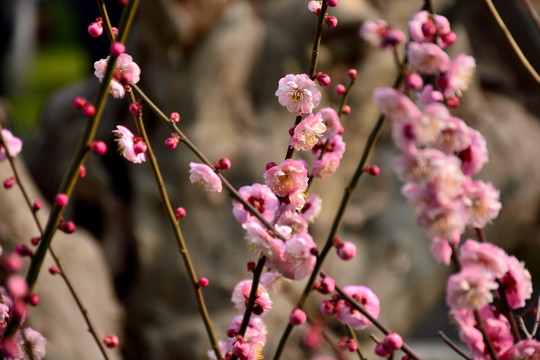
{"x": 293, "y": 220}
{"x": 470, "y": 289}
{"x": 240, "y": 297}
{"x": 32, "y": 344}
{"x": 426, "y": 128}
{"x": 441, "y": 250}
{"x": 298, "y": 93}
{"x": 453, "y": 137}
{"x": 14, "y": 145}
{"x": 126, "y": 142}
{"x": 394, "y": 104}
{"x": 125, "y": 70}
{"x": 204, "y": 176}
{"x": 482, "y": 200}
{"x": 330, "y": 119}
{"x": 261, "y": 241}
{"x": 516, "y": 283}
{"x": 428, "y": 58}
{"x": 312, "y": 207}
{"x": 459, "y": 75}
{"x": 348, "y": 315}
{"x": 490, "y": 257}
{"x": 298, "y": 261}
{"x": 248, "y": 347}
{"x": 426, "y": 27}
{"x": 288, "y": 177}
{"x": 308, "y": 132}
{"x": 475, "y": 156}
{"x": 326, "y": 166}
{"x": 428, "y": 95}
{"x": 373, "y": 32}
{"x": 260, "y": 197}
{"x": 523, "y": 350}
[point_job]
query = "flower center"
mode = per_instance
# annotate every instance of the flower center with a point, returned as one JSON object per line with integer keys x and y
{"x": 296, "y": 95}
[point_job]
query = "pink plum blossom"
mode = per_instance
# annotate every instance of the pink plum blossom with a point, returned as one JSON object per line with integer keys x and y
{"x": 428, "y": 95}
{"x": 203, "y": 175}
{"x": 298, "y": 93}
{"x": 443, "y": 219}
{"x": 14, "y": 145}
{"x": 453, "y": 137}
{"x": 261, "y": 241}
{"x": 428, "y": 58}
{"x": 348, "y": 315}
{"x": 528, "y": 349}
{"x": 441, "y": 250}
{"x": 475, "y": 156}
{"x": 260, "y": 197}
{"x": 298, "y": 261}
{"x": 240, "y": 296}
{"x": 428, "y": 126}
{"x": 312, "y": 207}
{"x": 326, "y": 166}
{"x": 426, "y": 27}
{"x": 490, "y": 257}
{"x": 335, "y": 146}
{"x": 125, "y": 69}
{"x": 470, "y": 289}
{"x": 293, "y": 220}
{"x": 373, "y": 32}
{"x": 307, "y": 133}
{"x": 288, "y": 177}
{"x": 250, "y": 345}
{"x": 330, "y": 119}
{"x": 516, "y": 283}
{"x": 459, "y": 75}
{"x": 126, "y": 145}
{"x": 32, "y": 344}
{"x": 394, "y": 104}
{"x": 482, "y": 200}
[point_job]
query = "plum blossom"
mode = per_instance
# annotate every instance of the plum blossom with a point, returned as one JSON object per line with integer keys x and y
{"x": 516, "y": 283}
{"x": 32, "y": 344}
{"x": 248, "y": 347}
{"x": 475, "y": 156}
{"x": 14, "y": 145}
{"x": 288, "y": 177}
{"x": 427, "y": 28}
{"x": 528, "y": 349}
{"x": 428, "y": 58}
{"x": 126, "y": 144}
{"x": 312, "y": 207}
{"x": 298, "y": 93}
{"x": 240, "y": 297}
{"x": 298, "y": 261}
{"x": 441, "y": 250}
{"x": 482, "y": 200}
{"x": 326, "y": 166}
{"x": 470, "y": 289}
{"x": 394, "y": 104}
{"x": 260, "y": 197}
{"x": 453, "y": 137}
{"x": 348, "y": 315}
{"x": 203, "y": 175}
{"x": 330, "y": 119}
{"x": 307, "y": 133}
{"x": 261, "y": 241}
{"x": 428, "y": 95}
{"x": 489, "y": 256}
{"x": 379, "y": 34}
{"x": 459, "y": 75}
{"x": 125, "y": 71}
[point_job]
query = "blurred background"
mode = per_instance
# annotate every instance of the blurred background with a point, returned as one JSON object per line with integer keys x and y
{"x": 218, "y": 63}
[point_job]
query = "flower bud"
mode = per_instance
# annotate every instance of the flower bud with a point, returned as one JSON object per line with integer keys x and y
{"x": 98, "y": 147}
{"x": 332, "y": 3}
{"x": 203, "y": 282}
{"x": 9, "y": 182}
{"x": 79, "y": 102}
{"x": 381, "y": 350}
{"x": 353, "y": 74}
{"x": 139, "y": 146}
{"x": 82, "y": 172}
{"x": 32, "y": 299}
{"x": 96, "y": 28}
{"x": 53, "y": 270}
{"x": 346, "y": 110}
{"x": 89, "y": 110}
{"x": 111, "y": 341}
{"x": 372, "y": 170}
{"x": 346, "y": 250}
{"x": 413, "y": 81}
{"x": 322, "y": 79}
{"x": 393, "y": 341}
{"x": 223, "y": 164}
{"x": 171, "y": 142}
{"x": 117, "y": 49}
{"x": 180, "y": 213}
{"x": 37, "y": 205}
{"x": 297, "y": 317}
{"x": 331, "y": 22}
{"x": 340, "y": 89}
{"x": 61, "y": 200}
{"x": 174, "y": 117}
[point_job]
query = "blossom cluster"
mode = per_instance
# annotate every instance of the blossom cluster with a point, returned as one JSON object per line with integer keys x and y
{"x": 440, "y": 154}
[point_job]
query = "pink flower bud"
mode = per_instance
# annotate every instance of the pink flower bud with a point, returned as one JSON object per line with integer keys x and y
{"x": 346, "y": 110}
{"x": 53, "y": 270}
{"x": 203, "y": 282}
{"x": 223, "y": 164}
{"x": 241, "y": 348}
{"x": 340, "y": 89}
{"x": 314, "y": 7}
{"x": 251, "y": 266}
{"x": 392, "y": 38}
{"x": 67, "y": 227}
{"x": 111, "y": 341}
{"x": 139, "y": 146}
{"x": 449, "y": 38}
{"x": 328, "y": 307}
{"x": 89, "y": 110}
{"x": 297, "y": 317}
{"x": 12, "y": 262}
{"x": 322, "y": 79}
{"x": 270, "y": 165}
{"x": 429, "y": 28}
{"x": 372, "y": 170}
{"x": 98, "y": 147}
{"x": 452, "y": 102}
{"x": 32, "y": 299}
{"x": 134, "y": 108}
{"x": 117, "y": 49}
{"x": 79, "y": 102}
{"x": 174, "y": 117}
{"x": 346, "y": 250}
{"x": 37, "y": 205}
{"x": 96, "y": 28}
{"x": 393, "y": 341}
{"x": 82, "y": 172}
{"x": 231, "y": 333}
{"x": 23, "y": 250}
{"x": 17, "y": 286}
{"x": 61, "y": 200}
{"x": 180, "y": 213}
{"x": 9, "y": 182}
{"x": 325, "y": 286}
{"x": 351, "y": 345}
{"x": 123, "y": 2}
{"x": 171, "y": 143}
{"x": 413, "y": 81}
{"x": 331, "y": 22}
{"x": 381, "y": 350}
{"x": 353, "y": 74}
{"x": 115, "y": 31}
{"x": 332, "y": 3}
{"x": 35, "y": 240}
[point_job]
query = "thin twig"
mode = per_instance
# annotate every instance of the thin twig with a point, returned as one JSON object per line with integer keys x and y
{"x": 532, "y": 12}
{"x": 453, "y": 346}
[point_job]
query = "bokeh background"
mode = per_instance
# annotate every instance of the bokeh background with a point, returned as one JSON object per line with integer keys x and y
{"x": 217, "y": 63}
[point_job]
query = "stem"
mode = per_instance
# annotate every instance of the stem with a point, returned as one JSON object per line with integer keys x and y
{"x": 106, "y": 20}
{"x": 453, "y": 346}
{"x": 63, "y": 274}
{"x": 70, "y": 177}
{"x": 405, "y": 348}
{"x": 317, "y": 41}
{"x": 532, "y": 12}
{"x": 487, "y": 340}
{"x": 352, "y": 334}
{"x": 179, "y": 237}
{"x": 512, "y": 42}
